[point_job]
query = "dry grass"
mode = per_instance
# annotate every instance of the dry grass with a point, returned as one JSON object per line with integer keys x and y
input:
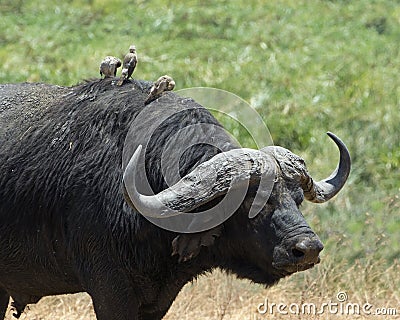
{"x": 221, "y": 297}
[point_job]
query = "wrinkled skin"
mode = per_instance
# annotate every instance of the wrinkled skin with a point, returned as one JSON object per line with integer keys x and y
{"x": 66, "y": 226}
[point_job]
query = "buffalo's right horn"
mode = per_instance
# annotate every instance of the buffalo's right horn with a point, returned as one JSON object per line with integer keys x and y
{"x": 212, "y": 178}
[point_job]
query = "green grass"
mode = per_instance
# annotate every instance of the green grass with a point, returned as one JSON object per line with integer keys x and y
{"x": 306, "y": 66}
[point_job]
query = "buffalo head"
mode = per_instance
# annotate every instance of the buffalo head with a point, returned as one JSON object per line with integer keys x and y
{"x": 267, "y": 237}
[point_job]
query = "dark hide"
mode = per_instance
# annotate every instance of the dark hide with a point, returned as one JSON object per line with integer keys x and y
{"x": 65, "y": 226}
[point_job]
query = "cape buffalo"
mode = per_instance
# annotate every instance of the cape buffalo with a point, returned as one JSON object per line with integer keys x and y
{"x": 68, "y": 217}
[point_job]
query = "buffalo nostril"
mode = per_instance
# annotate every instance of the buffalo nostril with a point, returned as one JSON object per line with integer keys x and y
{"x": 307, "y": 250}
{"x": 297, "y": 253}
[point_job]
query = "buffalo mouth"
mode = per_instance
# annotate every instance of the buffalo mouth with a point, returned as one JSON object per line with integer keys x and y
{"x": 293, "y": 268}
{"x": 297, "y": 254}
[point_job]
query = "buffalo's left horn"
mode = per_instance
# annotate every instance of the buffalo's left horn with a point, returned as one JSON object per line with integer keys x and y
{"x": 294, "y": 167}
{"x": 324, "y": 190}
{"x": 231, "y": 169}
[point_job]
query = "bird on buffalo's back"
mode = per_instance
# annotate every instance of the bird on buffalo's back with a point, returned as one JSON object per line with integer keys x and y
{"x": 129, "y": 65}
{"x": 109, "y": 66}
{"x": 163, "y": 83}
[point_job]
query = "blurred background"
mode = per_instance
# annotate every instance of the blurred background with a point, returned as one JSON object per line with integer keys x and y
{"x": 306, "y": 66}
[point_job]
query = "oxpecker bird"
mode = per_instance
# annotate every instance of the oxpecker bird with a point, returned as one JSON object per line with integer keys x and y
{"x": 130, "y": 62}
{"x": 164, "y": 83}
{"x": 109, "y": 66}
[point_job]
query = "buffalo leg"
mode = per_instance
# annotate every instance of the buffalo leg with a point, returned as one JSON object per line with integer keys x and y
{"x": 4, "y": 300}
{"x": 157, "y": 315}
{"x": 114, "y": 306}
{"x": 113, "y": 299}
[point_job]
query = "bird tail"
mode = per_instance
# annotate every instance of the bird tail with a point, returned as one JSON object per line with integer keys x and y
{"x": 121, "y": 81}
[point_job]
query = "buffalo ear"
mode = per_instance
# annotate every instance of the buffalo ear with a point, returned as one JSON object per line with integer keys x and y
{"x": 188, "y": 245}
